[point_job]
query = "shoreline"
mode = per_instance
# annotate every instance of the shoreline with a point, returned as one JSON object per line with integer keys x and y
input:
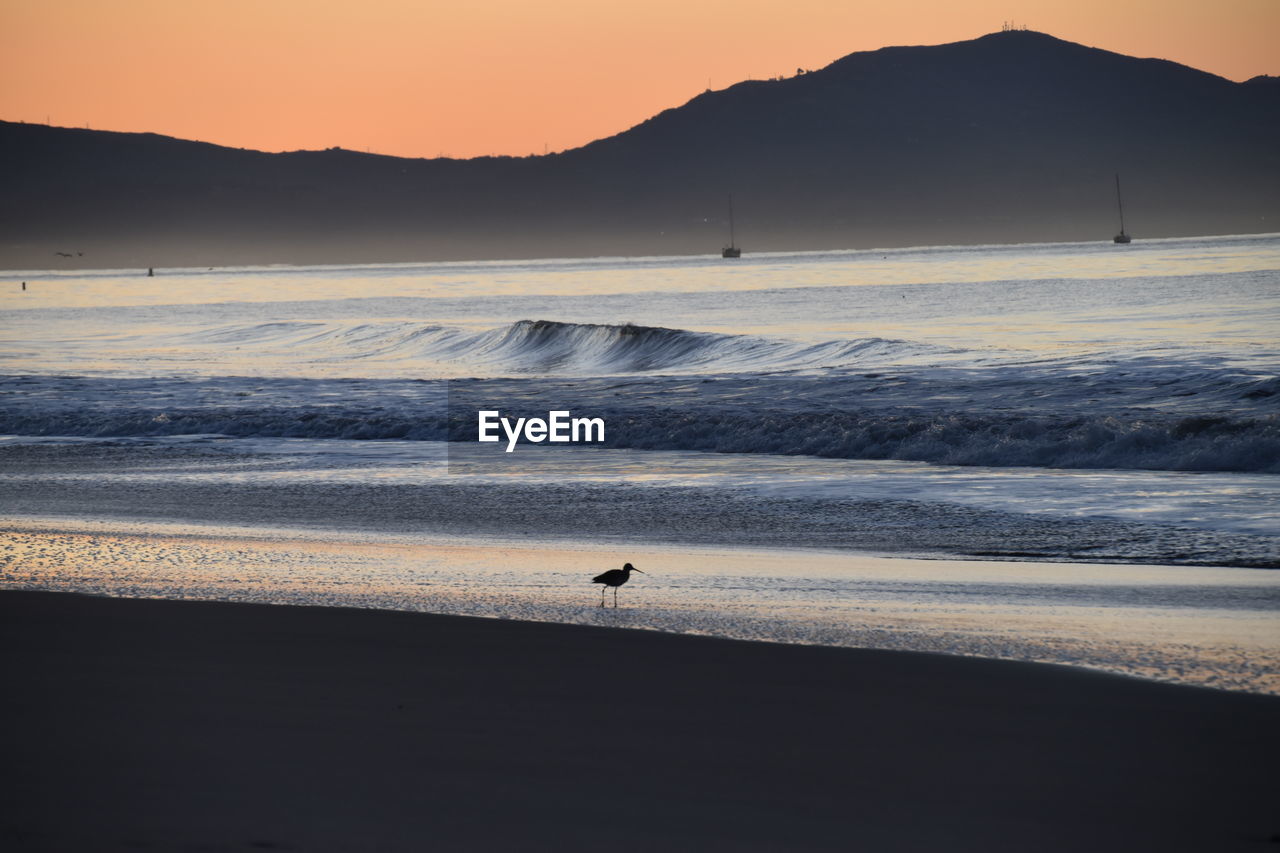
{"x": 166, "y": 724}
{"x": 1178, "y": 624}
{"x": 677, "y": 515}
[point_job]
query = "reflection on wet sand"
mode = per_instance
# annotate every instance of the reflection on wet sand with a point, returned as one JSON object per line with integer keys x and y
{"x": 1206, "y": 626}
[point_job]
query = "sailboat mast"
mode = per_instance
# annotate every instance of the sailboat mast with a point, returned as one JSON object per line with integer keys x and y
{"x": 1119, "y": 203}
{"x": 732, "y": 242}
{"x": 731, "y": 250}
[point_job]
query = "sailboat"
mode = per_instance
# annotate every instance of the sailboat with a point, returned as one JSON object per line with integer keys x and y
{"x": 1121, "y": 237}
{"x": 732, "y": 250}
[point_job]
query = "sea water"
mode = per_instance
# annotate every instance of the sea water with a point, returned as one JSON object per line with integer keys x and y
{"x": 1060, "y": 403}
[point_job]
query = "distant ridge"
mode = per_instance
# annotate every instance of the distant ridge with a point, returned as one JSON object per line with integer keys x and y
{"x": 1014, "y": 136}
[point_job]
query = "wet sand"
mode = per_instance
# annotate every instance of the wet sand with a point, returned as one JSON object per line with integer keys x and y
{"x": 164, "y": 725}
{"x": 1208, "y": 627}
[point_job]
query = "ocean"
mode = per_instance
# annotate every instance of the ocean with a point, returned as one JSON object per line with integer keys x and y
{"x": 1057, "y": 452}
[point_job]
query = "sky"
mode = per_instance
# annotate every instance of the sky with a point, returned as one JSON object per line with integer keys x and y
{"x": 425, "y": 78}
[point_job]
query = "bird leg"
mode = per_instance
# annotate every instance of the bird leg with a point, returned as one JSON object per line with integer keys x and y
{"x": 603, "y": 590}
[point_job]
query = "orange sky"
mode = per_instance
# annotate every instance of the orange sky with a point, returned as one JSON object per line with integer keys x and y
{"x": 473, "y": 77}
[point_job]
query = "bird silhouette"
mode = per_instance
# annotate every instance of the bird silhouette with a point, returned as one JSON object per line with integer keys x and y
{"x": 614, "y": 578}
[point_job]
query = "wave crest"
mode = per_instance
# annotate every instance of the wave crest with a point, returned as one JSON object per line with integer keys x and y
{"x": 541, "y": 347}
{"x": 550, "y": 346}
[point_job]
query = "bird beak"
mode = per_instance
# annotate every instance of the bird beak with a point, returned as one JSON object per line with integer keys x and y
{"x": 634, "y": 569}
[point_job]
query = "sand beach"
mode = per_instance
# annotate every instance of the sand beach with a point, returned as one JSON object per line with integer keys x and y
{"x": 133, "y": 725}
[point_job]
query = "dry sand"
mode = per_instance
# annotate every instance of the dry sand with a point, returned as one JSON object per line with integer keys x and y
{"x": 154, "y": 725}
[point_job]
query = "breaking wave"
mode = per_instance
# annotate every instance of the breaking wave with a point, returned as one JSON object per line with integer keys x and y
{"x": 1134, "y": 441}
{"x": 672, "y": 389}
{"x": 1004, "y": 440}
{"x": 550, "y": 347}
{"x": 546, "y": 346}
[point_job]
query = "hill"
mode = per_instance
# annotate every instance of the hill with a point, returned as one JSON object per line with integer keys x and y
{"x": 1014, "y": 136}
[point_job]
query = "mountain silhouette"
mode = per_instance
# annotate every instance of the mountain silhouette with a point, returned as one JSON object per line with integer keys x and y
{"x": 1014, "y": 136}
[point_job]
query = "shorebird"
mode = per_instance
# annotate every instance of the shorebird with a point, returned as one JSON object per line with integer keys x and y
{"x": 614, "y": 578}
